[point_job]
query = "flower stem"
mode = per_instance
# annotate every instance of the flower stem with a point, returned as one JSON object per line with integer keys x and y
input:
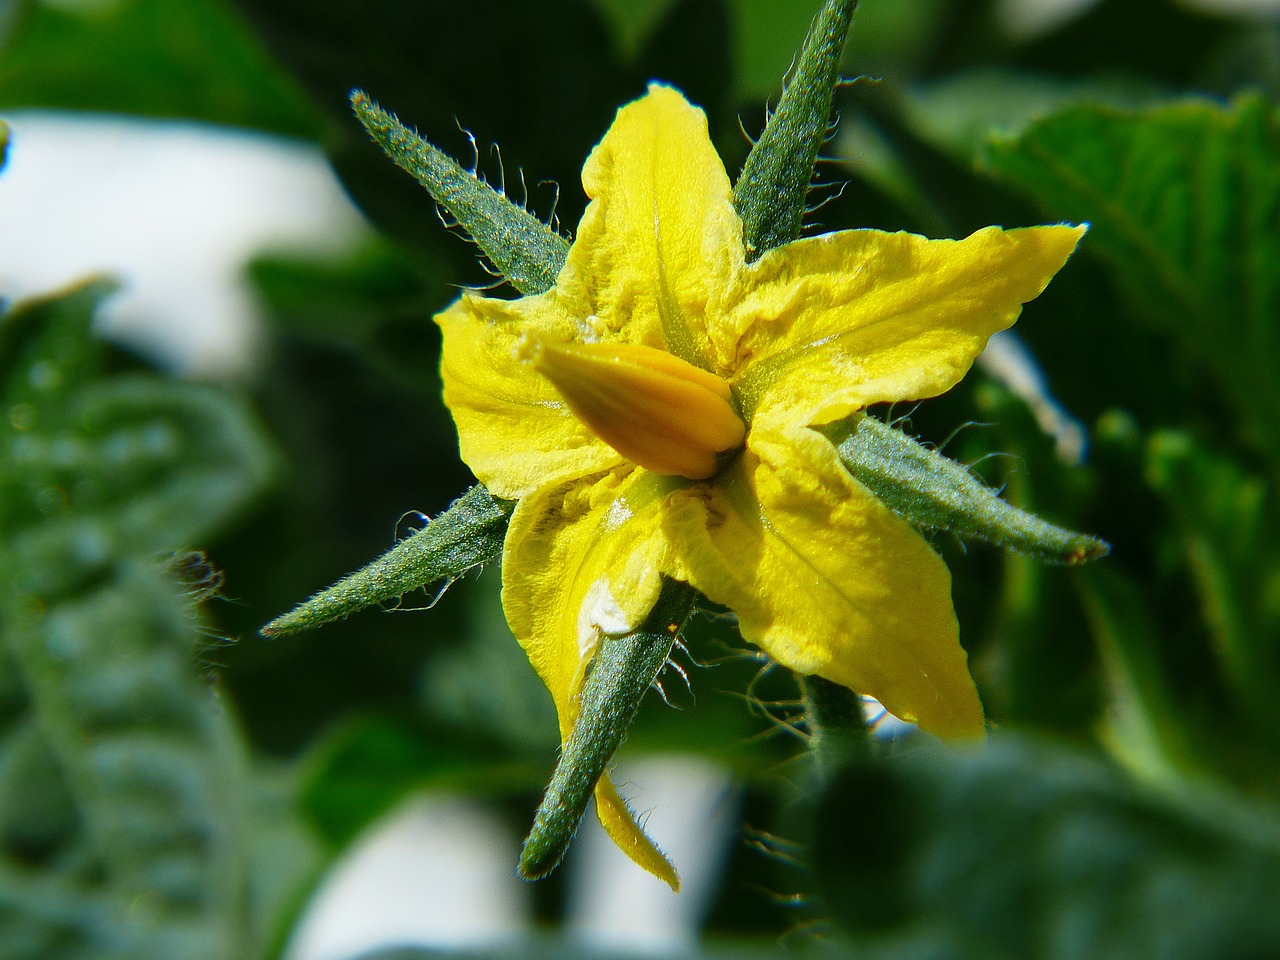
{"x": 837, "y": 725}
{"x": 624, "y": 669}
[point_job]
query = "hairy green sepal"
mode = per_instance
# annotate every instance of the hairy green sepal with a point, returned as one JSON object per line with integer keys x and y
{"x": 772, "y": 191}
{"x": 624, "y": 669}
{"x": 936, "y": 493}
{"x": 527, "y": 252}
{"x": 470, "y": 532}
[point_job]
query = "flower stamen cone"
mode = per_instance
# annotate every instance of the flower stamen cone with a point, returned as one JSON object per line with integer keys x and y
{"x": 660, "y": 412}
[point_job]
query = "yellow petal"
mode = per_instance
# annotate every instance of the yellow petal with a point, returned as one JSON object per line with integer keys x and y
{"x": 581, "y": 560}
{"x": 514, "y": 430}
{"x": 827, "y": 581}
{"x": 620, "y": 823}
{"x": 655, "y": 409}
{"x": 660, "y": 235}
{"x": 831, "y": 324}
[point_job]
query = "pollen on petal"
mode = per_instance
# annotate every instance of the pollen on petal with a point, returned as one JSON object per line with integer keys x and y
{"x": 600, "y": 615}
{"x": 657, "y": 410}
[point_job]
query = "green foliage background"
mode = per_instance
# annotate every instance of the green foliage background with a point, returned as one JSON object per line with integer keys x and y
{"x": 166, "y": 793}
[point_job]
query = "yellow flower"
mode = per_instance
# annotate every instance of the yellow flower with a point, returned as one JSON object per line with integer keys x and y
{"x": 656, "y": 327}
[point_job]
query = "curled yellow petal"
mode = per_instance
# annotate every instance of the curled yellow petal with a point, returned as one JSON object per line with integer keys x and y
{"x": 657, "y": 410}
{"x": 620, "y": 823}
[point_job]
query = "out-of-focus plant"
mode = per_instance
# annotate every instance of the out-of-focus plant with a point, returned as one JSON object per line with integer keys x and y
{"x": 1125, "y": 804}
{"x": 127, "y": 816}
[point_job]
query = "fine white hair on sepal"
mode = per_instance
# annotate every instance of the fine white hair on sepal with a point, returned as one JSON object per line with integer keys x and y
{"x": 417, "y": 516}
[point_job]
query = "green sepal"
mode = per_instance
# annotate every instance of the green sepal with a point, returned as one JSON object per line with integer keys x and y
{"x": 470, "y": 532}
{"x": 772, "y": 190}
{"x": 526, "y": 251}
{"x": 623, "y": 670}
{"x": 934, "y": 492}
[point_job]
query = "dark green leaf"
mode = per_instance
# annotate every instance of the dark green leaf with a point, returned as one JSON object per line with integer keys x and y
{"x": 961, "y": 112}
{"x": 1027, "y": 850}
{"x": 1227, "y": 520}
{"x": 367, "y": 764}
{"x": 632, "y": 21}
{"x": 770, "y": 194}
{"x": 1147, "y": 723}
{"x": 1022, "y": 620}
{"x": 1184, "y": 201}
{"x": 193, "y": 60}
{"x": 766, "y": 37}
{"x": 372, "y": 303}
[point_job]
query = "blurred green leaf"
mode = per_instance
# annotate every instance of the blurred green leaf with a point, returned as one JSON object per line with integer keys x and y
{"x": 961, "y": 112}
{"x": 123, "y": 825}
{"x": 1146, "y": 724}
{"x": 544, "y": 81}
{"x": 1186, "y": 623}
{"x": 1227, "y": 518}
{"x": 374, "y": 303}
{"x": 1163, "y": 39}
{"x": 483, "y": 683}
{"x": 548, "y": 948}
{"x": 1183, "y": 201}
{"x": 632, "y": 21}
{"x": 192, "y": 60}
{"x": 1024, "y": 849}
{"x": 366, "y": 764}
{"x": 766, "y": 38}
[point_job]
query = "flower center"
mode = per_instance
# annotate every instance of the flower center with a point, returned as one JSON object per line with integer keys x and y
{"x": 655, "y": 409}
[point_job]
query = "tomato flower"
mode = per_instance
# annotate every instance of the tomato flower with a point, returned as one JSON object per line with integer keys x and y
{"x": 654, "y": 415}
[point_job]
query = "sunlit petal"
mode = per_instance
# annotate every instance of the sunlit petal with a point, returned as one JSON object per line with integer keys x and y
{"x": 827, "y": 581}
